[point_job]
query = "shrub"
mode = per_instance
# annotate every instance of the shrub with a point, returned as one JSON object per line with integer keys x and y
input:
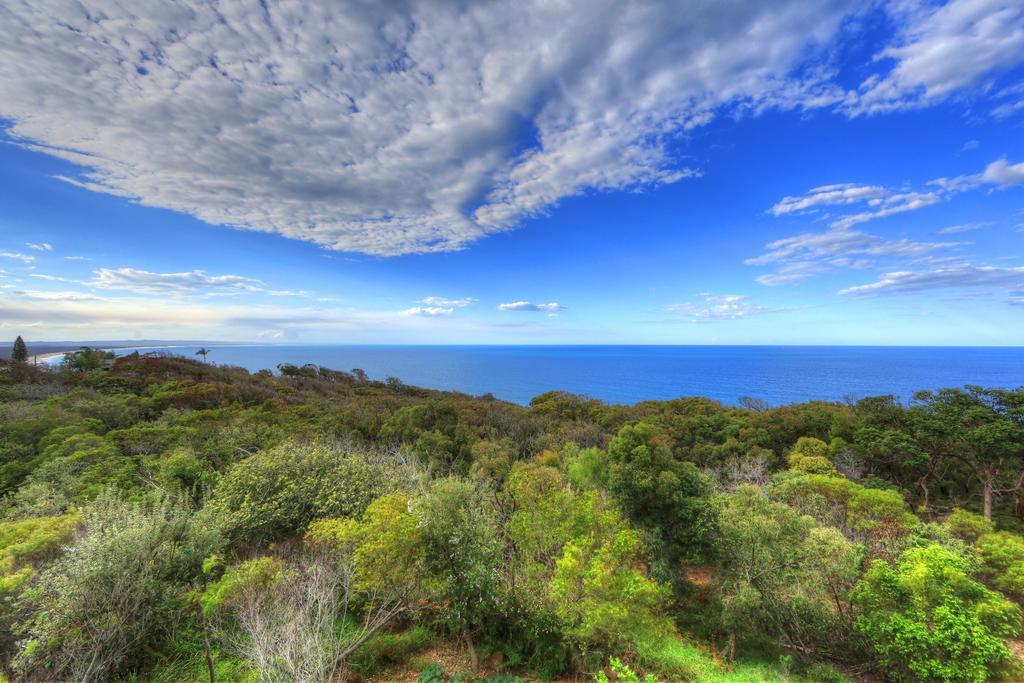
{"x": 388, "y": 649}
{"x": 100, "y": 607}
{"x": 928, "y": 620}
{"x": 1002, "y": 557}
{"x": 967, "y": 525}
{"x": 278, "y": 492}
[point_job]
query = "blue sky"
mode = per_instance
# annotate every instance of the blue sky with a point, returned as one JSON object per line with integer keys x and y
{"x": 511, "y": 172}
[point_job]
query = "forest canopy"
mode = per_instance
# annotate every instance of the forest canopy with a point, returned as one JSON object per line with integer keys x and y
{"x": 166, "y": 519}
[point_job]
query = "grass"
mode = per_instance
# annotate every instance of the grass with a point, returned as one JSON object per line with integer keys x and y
{"x": 676, "y": 658}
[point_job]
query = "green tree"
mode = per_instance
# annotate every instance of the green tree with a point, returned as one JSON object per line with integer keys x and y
{"x": 982, "y": 429}
{"x": 928, "y": 620}
{"x": 783, "y": 577}
{"x": 666, "y": 497}
{"x": 19, "y": 352}
{"x": 463, "y": 555}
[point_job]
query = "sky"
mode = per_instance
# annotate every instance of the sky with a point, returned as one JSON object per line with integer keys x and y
{"x": 513, "y": 172}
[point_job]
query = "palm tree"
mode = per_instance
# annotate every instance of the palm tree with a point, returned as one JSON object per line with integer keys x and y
{"x": 202, "y": 352}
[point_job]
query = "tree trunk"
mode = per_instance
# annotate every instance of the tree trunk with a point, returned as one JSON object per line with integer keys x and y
{"x": 988, "y": 498}
{"x": 1019, "y": 507}
{"x": 474, "y": 661}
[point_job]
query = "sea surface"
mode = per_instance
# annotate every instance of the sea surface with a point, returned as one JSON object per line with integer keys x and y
{"x": 629, "y": 374}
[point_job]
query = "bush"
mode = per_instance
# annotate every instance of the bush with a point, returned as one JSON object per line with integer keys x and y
{"x": 967, "y": 525}
{"x": 388, "y": 649}
{"x": 927, "y": 620}
{"x": 1002, "y": 557}
{"x": 278, "y": 492}
{"x": 100, "y": 608}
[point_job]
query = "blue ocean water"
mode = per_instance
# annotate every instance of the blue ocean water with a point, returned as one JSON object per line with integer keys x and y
{"x": 629, "y": 374}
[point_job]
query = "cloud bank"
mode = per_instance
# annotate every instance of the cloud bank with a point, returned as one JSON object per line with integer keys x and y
{"x": 422, "y": 125}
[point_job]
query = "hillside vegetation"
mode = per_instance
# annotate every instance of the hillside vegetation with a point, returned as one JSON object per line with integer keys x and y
{"x": 165, "y": 519}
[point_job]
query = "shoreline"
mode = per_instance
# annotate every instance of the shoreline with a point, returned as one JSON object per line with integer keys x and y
{"x": 48, "y": 356}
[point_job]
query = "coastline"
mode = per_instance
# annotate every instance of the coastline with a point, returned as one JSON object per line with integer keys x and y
{"x": 49, "y": 356}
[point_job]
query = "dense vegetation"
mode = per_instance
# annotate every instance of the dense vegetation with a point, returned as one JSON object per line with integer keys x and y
{"x": 166, "y": 520}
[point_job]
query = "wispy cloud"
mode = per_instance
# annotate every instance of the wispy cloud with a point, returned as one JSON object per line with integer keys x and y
{"x": 903, "y": 282}
{"x": 875, "y": 201}
{"x": 445, "y": 302}
{"x": 720, "y": 307}
{"x": 553, "y": 307}
{"x": 195, "y": 281}
{"x": 942, "y": 49}
{"x": 428, "y": 311}
{"x": 808, "y": 254}
{"x": 40, "y": 246}
{"x": 16, "y": 256}
{"x": 828, "y": 195}
{"x": 963, "y": 227}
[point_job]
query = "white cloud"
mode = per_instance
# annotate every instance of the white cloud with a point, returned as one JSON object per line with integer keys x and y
{"x": 943, "y": 49}
{"x": 387, "y": 128}
{"x": 828, "y": 195}
{"x": 902, "y": 282}
{"x": 51, "y": 278}
{"x": 442, "y": 301}
{"x": 720, "y": 307}
{"x": 553, "y": 307}
{"x": 77, "y": 258}
{"x": 428, "y": 311}
{"x": 888, "y": 206}
{"x": 24, "y": 258}
{"x": 1003, "y": 173}
{"x": 963, "y": 227}
{"x": 970, "y": 146}
{"x": 135, "y": 280}
{"x": 803, "y": 256}
{"x": 40, "y": 246}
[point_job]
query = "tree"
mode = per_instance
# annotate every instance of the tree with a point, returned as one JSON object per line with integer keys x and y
{"x": 784, "y": 577}
{"x": 928, "y": 620}
{"x": 19, "y": 352}
{"x": 203, "y": 351}
{"x": 666, "y": 497}
{"x": 463, "y": 554}
{"x": 983, "y": 429}
{"x": 85, "y": 359}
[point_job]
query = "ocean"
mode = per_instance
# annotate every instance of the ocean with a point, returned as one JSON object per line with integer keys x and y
{"x": 630, "y": 374}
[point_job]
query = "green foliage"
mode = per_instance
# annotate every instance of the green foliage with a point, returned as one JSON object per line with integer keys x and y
{"x": 783, "y": 577}
{"x": 25, "y": 543}
{"x": 19, "y": 352}
{"x": 257, "y": 574}
{"x": 967, "y": 525}
{"x": 86, "y": 359}
{"x": 928, "y": 620}
{"x": 1002, "y": 557}
{"x": 602, "y": 597}
{"x": 102, "y": 605}
{"x": 586, "y": 468}
{"x": 665, "y": 496}
{"x": 552, "y": 533}
{"x": 278, "y": 492}
{"x": 810, "y": 455}
{"x": 388, "y": 649}
{"x": 462, "y": 552}
{"x": 623, "y": 673}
